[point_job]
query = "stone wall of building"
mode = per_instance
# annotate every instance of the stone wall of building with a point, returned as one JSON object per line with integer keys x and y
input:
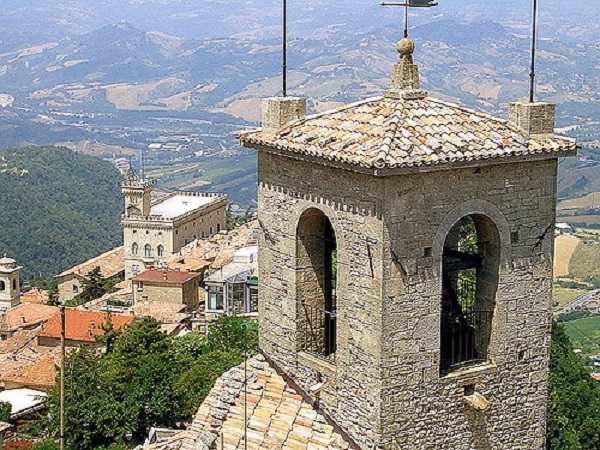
{"x": 384, "y": 386}
{"x": 186, "y": 293}
{"x": 352, "y": 384}
{"x": 172, "y": 235}
{"x": 520, "y": 200}
{"x": 67, "y": 285}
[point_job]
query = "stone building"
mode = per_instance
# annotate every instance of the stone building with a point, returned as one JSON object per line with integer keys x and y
{"x": 405, "y": 264}
{"x": 169, "y": 286}
{"x": 71, "y": 281}
{"x": 154, "y": 231}
{"x": 10, "y": 284}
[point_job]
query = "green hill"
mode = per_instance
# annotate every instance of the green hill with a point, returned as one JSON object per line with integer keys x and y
{"x": 57, "y": 208}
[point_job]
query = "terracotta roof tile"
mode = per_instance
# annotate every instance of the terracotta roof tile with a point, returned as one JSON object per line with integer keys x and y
{"x": 166, "y": 276}
{"x": 28, "y": 314}
{"x": 25, "y": 363}
{"x": 110, "y": 263}
{"x": 390, "y": 133}
{"x": 82, "y": 325}
{"x": 35, "y": 296}
{"x": 278, "y": 418}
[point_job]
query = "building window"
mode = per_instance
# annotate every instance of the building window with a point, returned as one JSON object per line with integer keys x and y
{"x": 14, "y": 283}
{"x": 252, "y": 306}
{"x": 140, "y": 287}
{"x": 75, "y": 289}
{"x": 211, "y": 230}
{"x": 161, "y": 251}
{"x": 215, "y": 298}
{"x": 218, "y": 227}
{"x": 469, "y": 284}
{"x": 316, "y": 279}
{"x": 134, "y": 231}
{"x": 2, "y": 285}
{"x": 135, "y": 249}
{"x": 147, "y": 251}
{"x": 236, "y": 297}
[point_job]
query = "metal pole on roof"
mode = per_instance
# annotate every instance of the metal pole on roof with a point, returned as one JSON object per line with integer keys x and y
{"x": 533, "y": 51}
{"x": 245, "y": 325}
{"x": 284, "y": 40}
{"x": 62, "y": 376}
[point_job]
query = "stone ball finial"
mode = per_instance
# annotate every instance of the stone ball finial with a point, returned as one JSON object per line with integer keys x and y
{"x": 406, "y": 47}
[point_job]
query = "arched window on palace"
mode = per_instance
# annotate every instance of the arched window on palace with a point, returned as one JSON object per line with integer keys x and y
{"x": 316, "y": 250}
{"x": 14, "y": 283}
{"x": 147, "y": 251}
{"x": 160, "y": 251}
{"x": 134, "y": 249}
{"x": 2, "y": 285}
{"x": 469, "y": 284}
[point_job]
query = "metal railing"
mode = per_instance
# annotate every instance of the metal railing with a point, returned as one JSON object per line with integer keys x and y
{"x": 464, "y": 341}
{"x": 318, "y": 329}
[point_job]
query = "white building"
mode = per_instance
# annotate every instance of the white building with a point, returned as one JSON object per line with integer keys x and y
{"x": 10, "y": 288}
{"x": 153, "y": 231}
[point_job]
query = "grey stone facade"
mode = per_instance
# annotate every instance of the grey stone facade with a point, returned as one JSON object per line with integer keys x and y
{"x": 384, "y": 386}
{"x": 533, "y": 118}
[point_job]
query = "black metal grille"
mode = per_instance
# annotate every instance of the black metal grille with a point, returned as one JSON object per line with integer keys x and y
{"x": 464, "y": 339}
{"x": 319, "y": 331}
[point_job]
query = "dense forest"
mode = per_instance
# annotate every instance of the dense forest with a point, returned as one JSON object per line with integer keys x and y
{"x": 59, "y": 208}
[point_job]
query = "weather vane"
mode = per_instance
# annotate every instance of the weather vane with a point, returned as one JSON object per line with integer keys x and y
{"x": 411, "y": 4}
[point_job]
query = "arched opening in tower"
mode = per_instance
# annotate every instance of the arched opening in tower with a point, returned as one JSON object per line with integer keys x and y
{"x": 469, "y": 284}
{"x": 316, "y": 280}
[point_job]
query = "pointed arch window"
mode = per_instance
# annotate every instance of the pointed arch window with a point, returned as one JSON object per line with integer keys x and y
{"x": 147, "y": 251}
{"x": 469, "y": 284}
{"x": 316, "y": 250}
{"x": 135, "y": 249}
{"x": 160, "y": 251}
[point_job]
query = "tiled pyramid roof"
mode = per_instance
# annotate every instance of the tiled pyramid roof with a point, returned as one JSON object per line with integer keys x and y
{"x": 386, "y": 132}
{"x": 278, "y": 417}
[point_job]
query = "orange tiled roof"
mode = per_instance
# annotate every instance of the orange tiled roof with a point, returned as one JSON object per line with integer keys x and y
{"x": 35, "y": 296}
{"x": 28, "y": 314}
{"x": 165, "y": 276}
{"x": 25, "y": 363}
{"x": 82, "y": 325}
{"x": 278, "y": 418}
{"x": 401, "y": 133}
{"x": 110, "y": 263}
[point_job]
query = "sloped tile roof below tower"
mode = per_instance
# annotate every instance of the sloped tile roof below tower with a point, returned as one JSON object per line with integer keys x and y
{"x": 278, "y": 417}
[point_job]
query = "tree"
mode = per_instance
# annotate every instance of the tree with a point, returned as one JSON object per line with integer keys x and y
{"x": 110, "y": 333}
{"x": 227, "y": 334}
{"x": 574, "y": 399}
{"x": 5, "y": 411}
{"x": 95, "y": 286}
{"x": 147, "y": 379}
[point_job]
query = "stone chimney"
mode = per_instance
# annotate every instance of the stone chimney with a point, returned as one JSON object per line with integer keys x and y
{"x": 279, "y": 111}
{"x": 533, "y": 119}
{"x": 405, "y": 76}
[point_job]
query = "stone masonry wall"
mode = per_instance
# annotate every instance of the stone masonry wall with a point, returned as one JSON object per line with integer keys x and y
{"x": 384, "y": 387}
{"x": 420, "y": 408}
{"x": 352, "y": 384}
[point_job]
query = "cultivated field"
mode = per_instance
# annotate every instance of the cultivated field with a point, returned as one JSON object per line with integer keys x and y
{"x": 564, "y": 247}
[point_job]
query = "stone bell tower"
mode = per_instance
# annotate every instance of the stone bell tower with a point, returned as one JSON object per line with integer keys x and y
{"x": 406, "y": 264}
{"x": 137, "y": 194}
{"x": 10, "y": 286}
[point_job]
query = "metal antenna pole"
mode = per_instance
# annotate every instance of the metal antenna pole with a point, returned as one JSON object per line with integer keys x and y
{"x": 245, "y": 325}
{"x": 406, "y": 20}
{"x": 284, "y": 66}
{"x": 62, "y": 376}
{"x": 533, "y": 51}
